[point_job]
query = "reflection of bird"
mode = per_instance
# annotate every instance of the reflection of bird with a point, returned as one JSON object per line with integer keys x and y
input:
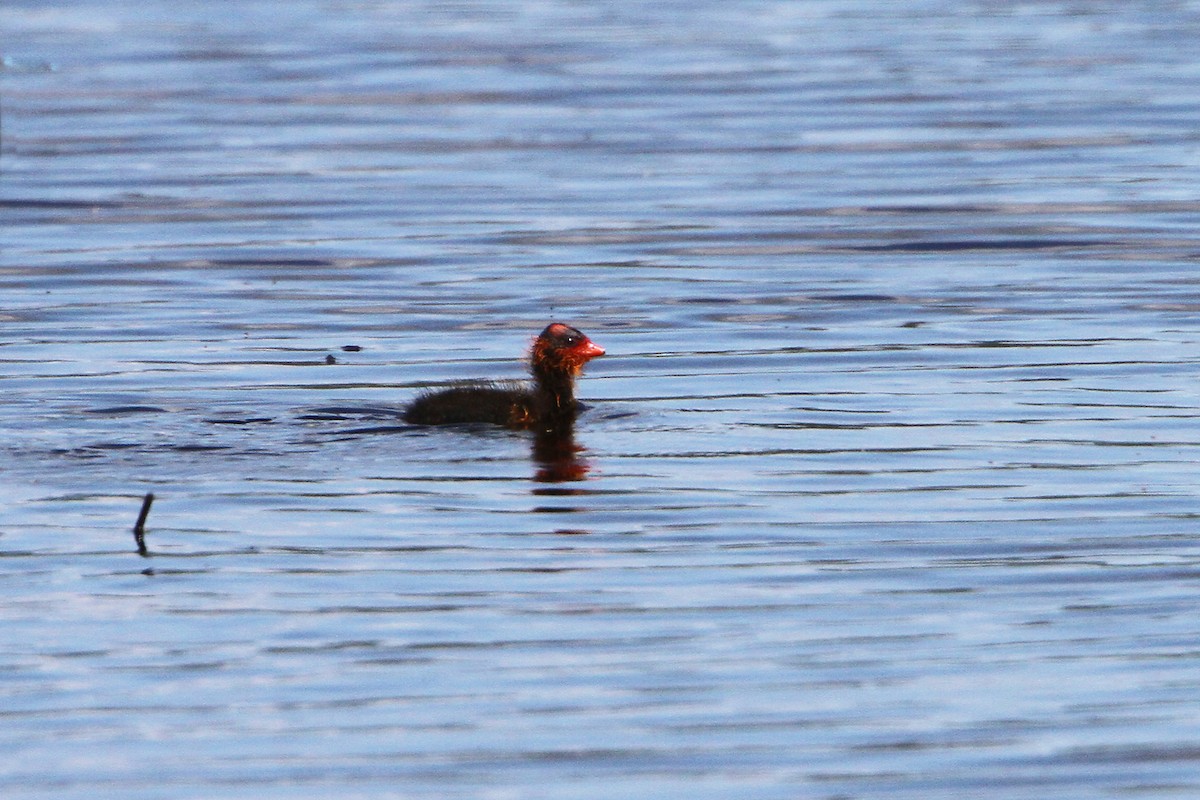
{"x": 558, "y": 356}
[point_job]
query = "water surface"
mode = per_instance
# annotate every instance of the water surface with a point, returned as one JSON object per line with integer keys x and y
{"x": 887, "y": 486}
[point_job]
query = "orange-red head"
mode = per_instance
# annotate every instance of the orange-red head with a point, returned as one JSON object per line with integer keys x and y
{"x": 563, "y": 349}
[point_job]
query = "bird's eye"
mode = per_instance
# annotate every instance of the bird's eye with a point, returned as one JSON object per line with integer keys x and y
{"x": 572, "y": 340}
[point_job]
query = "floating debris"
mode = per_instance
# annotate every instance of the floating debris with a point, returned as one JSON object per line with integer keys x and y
{"x": 139, "y": 528}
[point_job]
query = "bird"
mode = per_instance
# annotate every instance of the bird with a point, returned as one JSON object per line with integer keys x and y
{"x": 547, "y": 404}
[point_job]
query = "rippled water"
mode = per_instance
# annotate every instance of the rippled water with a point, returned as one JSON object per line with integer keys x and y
{"x": 887, "y": 487}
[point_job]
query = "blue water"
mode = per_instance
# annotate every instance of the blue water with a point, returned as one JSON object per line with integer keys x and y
{"x": 887, "y": 483}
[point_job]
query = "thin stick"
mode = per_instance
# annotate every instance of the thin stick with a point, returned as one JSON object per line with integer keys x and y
{"x": 139, "y": 528}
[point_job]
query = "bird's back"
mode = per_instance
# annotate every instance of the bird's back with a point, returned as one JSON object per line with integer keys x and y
{"x": 508, "y": 404}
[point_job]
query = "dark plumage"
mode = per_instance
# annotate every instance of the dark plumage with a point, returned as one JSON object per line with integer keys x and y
{"x": 556, "y": 360}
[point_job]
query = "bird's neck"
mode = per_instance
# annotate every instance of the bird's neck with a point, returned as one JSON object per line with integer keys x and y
{"x": 556, "y": 394}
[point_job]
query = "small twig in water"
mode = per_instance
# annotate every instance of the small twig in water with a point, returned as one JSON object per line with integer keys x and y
{"x": 139, "y": 528}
